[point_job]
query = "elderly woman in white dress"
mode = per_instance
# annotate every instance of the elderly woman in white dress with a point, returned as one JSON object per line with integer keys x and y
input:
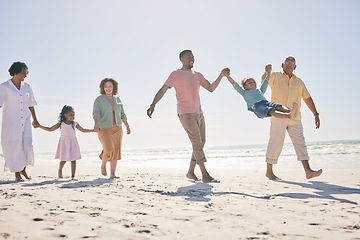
{"x": 17, "y": 100}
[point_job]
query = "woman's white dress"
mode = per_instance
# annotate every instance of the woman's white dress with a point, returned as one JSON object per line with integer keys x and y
{"x": 16, "y": 133}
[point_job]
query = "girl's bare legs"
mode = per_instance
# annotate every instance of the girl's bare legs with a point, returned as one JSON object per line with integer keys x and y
{"x": 61, "y": 166}
{"x": 73, "y": 170}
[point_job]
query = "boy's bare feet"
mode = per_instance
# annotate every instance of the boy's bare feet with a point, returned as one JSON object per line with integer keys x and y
{"x": 312, "y": 174}
{"x": 272, "y": 176}
{"x": 192, "y": 176}
{"x": 293, "y": 111}
{"x": 23, "y": 172}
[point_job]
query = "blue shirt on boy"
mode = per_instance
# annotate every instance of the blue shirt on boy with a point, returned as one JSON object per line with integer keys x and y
{"x": 252, "y": 96}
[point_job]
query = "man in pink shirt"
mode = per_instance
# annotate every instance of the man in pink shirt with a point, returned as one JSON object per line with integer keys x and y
{"x": 187, "y": 86}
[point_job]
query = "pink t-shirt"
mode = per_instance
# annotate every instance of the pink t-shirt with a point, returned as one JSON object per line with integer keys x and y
{"x": 187, "y": 86}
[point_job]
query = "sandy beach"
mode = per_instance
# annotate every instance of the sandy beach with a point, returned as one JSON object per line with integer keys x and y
{"x": 162, "y": 204}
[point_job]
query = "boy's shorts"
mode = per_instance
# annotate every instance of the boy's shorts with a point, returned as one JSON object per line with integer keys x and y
{"x": 262, "y": 108}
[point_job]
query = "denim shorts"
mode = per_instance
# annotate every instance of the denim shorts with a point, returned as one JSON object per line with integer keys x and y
{"x": 262, "y": 108}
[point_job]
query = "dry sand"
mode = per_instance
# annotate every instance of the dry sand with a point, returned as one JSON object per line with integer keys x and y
{"x": 163, "y": 204}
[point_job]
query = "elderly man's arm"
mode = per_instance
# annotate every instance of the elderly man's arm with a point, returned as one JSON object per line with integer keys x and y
{"x": 311, "y": 105}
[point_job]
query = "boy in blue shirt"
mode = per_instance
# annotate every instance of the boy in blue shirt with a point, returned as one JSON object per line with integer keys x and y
{"x": 256, "y": 102}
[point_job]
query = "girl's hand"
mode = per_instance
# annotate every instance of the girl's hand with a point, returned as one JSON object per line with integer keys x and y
{"x": 128, "y": 131}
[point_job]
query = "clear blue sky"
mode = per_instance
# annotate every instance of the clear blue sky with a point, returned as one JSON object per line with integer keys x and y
{"x": 69, "y": 46}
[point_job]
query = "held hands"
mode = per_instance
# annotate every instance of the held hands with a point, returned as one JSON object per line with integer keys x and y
{"x": 266, "y": 75}
{"x": 96, "y": 127}
{"x": 35, "y": 123}
{"x": 268, "y": 68}
{"x": 225, "y": 72}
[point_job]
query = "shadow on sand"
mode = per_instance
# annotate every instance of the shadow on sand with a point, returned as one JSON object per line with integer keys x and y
{"x": 64, "y": 183}
{"x": 83, "y": 184}
{"x": 198, "y": 192}
{"x": 323, "y": 190}
{"x": 201, "y": 192}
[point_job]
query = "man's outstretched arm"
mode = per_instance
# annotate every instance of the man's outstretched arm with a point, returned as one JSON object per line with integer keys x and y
{"x": 212, "y": 86}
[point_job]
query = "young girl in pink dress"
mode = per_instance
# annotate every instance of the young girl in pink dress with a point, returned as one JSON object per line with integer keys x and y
{"x": 68, "y": 148}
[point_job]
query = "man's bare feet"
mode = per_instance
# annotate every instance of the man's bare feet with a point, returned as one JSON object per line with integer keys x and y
{"x": 210, "y": 180}
{"x": 272, "y": 176}
{"x": 293, "y": 111}
{"x": 312, "y": 174}
{"x": 23, "y": 172}
{"x": 192, "y": 176}
{"x": 103, "y": 170}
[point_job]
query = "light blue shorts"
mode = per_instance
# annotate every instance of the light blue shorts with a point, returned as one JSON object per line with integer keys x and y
{"x": 262, "y": 108}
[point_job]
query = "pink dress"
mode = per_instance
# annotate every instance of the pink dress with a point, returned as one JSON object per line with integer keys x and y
{"x": 68, "y": 147}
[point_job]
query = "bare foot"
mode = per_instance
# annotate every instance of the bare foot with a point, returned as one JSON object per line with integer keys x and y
{"x": 312, "y": 174}
{"x": 60, "y": 174}
{"x": 74, "y": 179}
{"x": 23, "y": 172}
{"x": 272, "y": 176}
{"x": 192, "y": 176}
{"x": 210, "y": 180}
{"x": 103, "y": 170}
{"x": 112, "y": 177}
{"x": 293, "y": 111}
{"x": 18, "y": 177}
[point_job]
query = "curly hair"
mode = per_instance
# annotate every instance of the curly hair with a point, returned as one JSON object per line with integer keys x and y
{"x": 65, "y": 110}
{"x": 16, "y": 68}
{"x": 114, "y": 83}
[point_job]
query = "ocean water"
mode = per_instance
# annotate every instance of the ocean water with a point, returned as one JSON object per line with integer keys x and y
{"x": 326, "y": 155}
